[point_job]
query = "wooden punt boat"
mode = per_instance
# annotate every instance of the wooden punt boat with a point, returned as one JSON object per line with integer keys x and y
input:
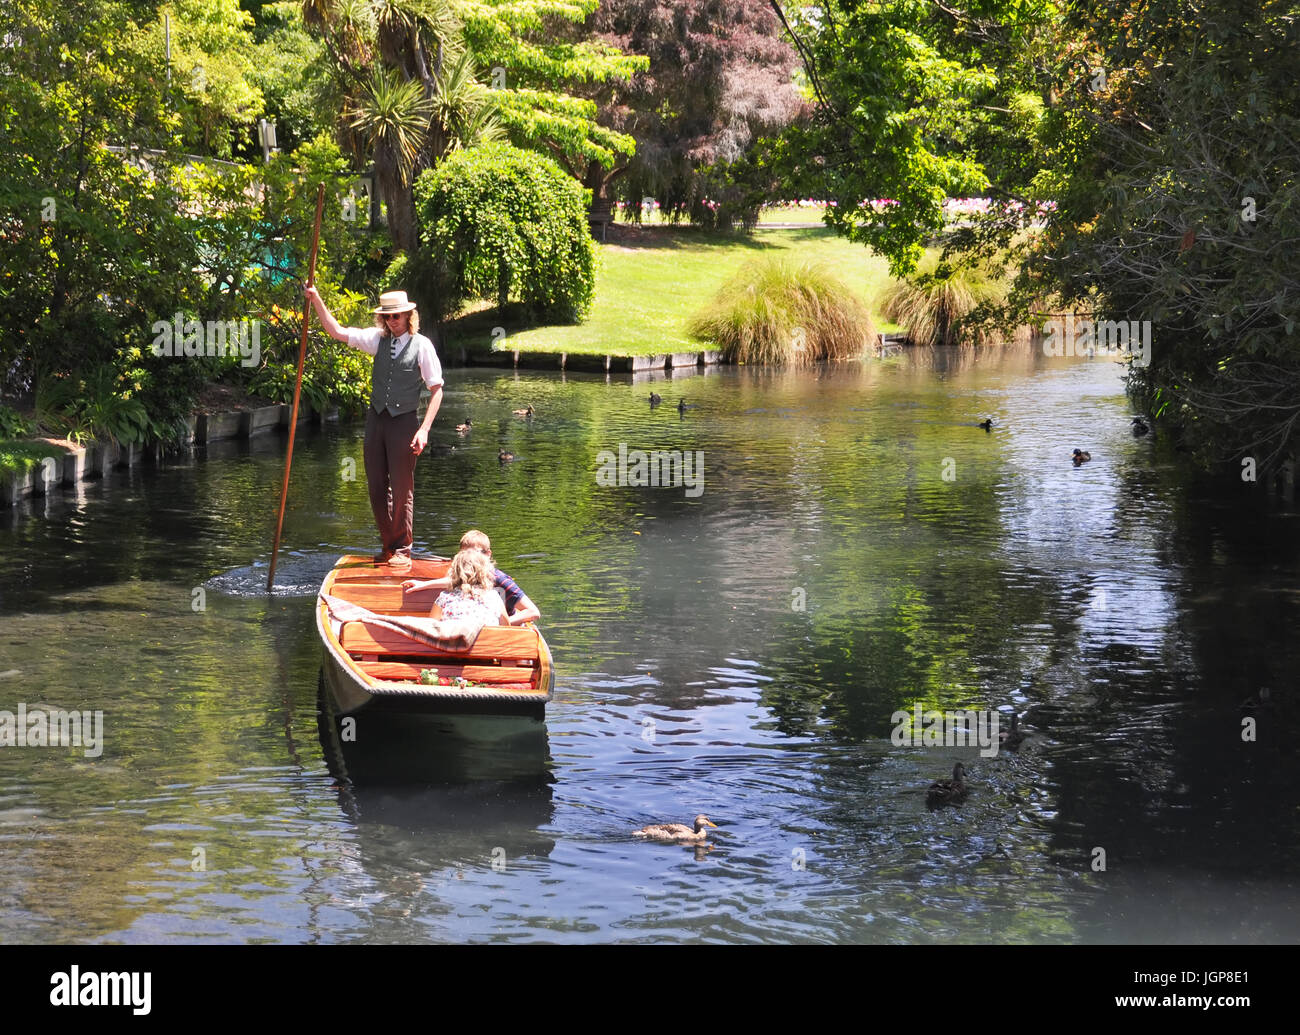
{"x": 370, "y": 667}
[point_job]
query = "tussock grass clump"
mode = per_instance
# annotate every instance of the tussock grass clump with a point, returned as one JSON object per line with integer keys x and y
{"x": 940, "y": 305}
{"x": 785, "y": 312}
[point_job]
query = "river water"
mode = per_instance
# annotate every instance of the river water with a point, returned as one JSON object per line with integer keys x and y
{"x": 859, "y": 547}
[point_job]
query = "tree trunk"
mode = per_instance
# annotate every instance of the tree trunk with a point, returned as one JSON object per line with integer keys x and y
{"x": 398, "y": 200}
{"x": 596, "y": 181}
{"x": 503, "y": 285}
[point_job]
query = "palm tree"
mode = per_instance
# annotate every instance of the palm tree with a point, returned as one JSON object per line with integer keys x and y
{"x": 392, "y": 117}
{"x": 415, "y": 97}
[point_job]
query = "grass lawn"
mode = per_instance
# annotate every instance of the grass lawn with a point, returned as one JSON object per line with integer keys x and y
{"x": 17, "y": 454}
{"x": 653, "y": 280}
{"x": 792, "y": 214}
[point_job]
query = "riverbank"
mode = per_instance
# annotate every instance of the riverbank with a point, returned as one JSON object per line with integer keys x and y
{"x": 40, "y": 466}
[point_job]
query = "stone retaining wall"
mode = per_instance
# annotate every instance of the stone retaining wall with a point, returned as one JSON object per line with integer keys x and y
{"x": 96, "y": 459}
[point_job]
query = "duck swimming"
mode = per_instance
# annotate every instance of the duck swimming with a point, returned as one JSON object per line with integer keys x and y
{"x": 947, "y": 792}
{"x": 505, "y": 457}
{"x": 1139, "y": 427}
{"x": 683, "y": 406}
{"x": 1081, "y": 457}
{"x": 986, "y": 424}
{"x": 655, "y": 398}
{"x": 524, "y": 413}
{"x": 1012, "y": 739}
{"x": 679, "y": 832}
{"x": 462, "y": 429}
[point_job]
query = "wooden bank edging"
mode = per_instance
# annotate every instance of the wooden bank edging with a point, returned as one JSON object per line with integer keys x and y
{"x": 581, "y": 361}
{"x": 95, "y": 459}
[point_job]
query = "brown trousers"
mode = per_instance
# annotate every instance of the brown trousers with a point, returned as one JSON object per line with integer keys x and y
{"x": 390, "y": 474}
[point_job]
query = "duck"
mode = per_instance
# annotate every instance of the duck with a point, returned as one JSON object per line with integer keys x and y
{"x": 1081, "y": 457}
{"x": 683, "y": 406}
{"x": 1258, "y": 702}
{"x": 1012, "y": 739}
{"x": 463, "y": 429}
{"x": 677, "y": 831}
{"x": 986, "y": 424}
{"x": 1140, "y": 427}
{"x": 505, "y": 456}
{"x": 947, "y": 792}
{"x": 655, "y": 398}
{"x": 525, "y": 412}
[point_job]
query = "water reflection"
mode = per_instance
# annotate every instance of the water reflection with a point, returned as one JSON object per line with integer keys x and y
{"x": 861, "y": 546}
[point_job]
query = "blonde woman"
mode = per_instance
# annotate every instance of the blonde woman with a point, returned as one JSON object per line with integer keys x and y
{"x": 472, "y": 597}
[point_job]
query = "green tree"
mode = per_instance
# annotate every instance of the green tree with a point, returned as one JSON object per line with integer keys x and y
{"x": 536, "y": 52}
{"x": 293, "y": 72}
{"x": 212, "y": 70}
{"x": 95, "y": 243}
{"x": 915, "y": 103}
{"x": 1174, "y": 158}
{"x": 444, "y": 48}
{"x": 507, "y": 224}
{"x": 410, "y": 91}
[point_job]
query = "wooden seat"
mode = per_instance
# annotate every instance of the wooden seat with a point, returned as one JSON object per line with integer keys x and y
{"x": 495, "y": 643}
{"x": 387, "y": 599}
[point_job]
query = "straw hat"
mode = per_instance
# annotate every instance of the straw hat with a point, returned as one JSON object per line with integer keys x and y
{"x": 394, "y": 302}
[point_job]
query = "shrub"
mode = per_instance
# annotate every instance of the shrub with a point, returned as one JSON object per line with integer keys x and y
{"x": 102, "y": 405}
{"x": 943, "y": 305}
{"x": 506, "y": 225}
{"x": 787, "y": 312}
{"x": 12, "y": 424}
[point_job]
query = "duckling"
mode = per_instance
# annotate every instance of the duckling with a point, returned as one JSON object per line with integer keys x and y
{"x": 463, "y": 429}
{"x": 655, "y": 399}
{"x": 1081, "y": 457}
{"x": 683, "y": 406}
{"x": 986, "y": 424}
{"x": 677, "y": 832}
{"x": 505, "y": 457}
{"x": 947, "y": 792}
{"x": 524, "y": 413}
{"x": 1139, "y": 427}
{"x": 1012, "y": 739}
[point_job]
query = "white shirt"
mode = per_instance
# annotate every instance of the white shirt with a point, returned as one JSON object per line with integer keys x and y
{"x": 368, "y": 342}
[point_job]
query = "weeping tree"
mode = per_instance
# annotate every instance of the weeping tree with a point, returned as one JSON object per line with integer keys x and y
{"x": 721, "y": 73}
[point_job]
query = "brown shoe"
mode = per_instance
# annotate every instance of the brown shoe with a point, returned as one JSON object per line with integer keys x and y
{"x": 400, "y": 562}
{"x": 382, "y": 557}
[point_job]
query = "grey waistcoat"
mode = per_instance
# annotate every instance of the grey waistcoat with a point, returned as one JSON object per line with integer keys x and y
{"x": 396, "y": 383}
